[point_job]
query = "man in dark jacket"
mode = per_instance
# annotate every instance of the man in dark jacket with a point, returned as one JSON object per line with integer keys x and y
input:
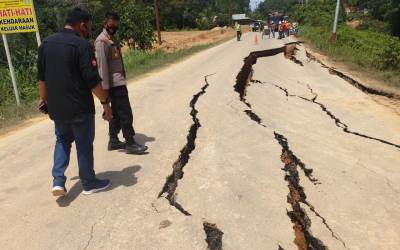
{"x": 112, "y": 71}
{"x": 68, "y": 75}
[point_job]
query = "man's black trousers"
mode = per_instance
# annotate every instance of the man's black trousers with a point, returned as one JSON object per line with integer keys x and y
{"x": 122, "y": 113}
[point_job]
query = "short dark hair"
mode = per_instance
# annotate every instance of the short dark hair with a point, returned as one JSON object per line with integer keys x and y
{"x": 77, "y": 15}
{"x": 112, "y": 15}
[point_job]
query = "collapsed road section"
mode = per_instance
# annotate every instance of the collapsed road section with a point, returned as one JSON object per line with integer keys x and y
{"x": 340, "y": 124}
{"x": 171, "y": 183}
{"x": 304, "y": 238}
{"x": 352, "y": 81}
{"x": 245, "y": 75}
{"x": 246, "y": 72}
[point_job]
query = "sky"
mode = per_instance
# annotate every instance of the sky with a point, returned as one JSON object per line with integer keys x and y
{"x": 254, "y": 3}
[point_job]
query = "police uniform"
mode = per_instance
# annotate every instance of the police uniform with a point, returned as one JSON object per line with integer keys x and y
{"x": 112, "y": 71}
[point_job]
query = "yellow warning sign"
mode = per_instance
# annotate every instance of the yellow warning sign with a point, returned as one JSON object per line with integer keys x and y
{"x": 17, "y": 16}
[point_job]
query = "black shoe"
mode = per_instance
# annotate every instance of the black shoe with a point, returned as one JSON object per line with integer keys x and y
{"x": 134, "y": 148}
{"x": 115, "y": 144}
{"x": 98, "y": 185}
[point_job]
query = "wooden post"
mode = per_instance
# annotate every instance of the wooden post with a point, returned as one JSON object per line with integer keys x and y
{"x": 157, "y": 21}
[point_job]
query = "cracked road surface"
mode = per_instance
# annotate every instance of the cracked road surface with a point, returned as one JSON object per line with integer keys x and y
{"x": 283, "y": 156}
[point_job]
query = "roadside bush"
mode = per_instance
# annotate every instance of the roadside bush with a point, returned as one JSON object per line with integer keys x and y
{"x": 390, "y": 55}
{"x": 368, "y": 23}
{"x": 26, "y": 83}
{"x": 136, "y": 28}
{"x": 317, "y": 13}
{"x": 364, "y": 48}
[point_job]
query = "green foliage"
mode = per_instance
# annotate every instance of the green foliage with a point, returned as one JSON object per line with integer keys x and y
{"x": 269, "y": 6}
{"x": 387, "y": 11}
{"x": 26, "y": 78}
{"x": 198, "y": 13}
{"x": 317, "y": 13}
{"x": 368, "y": 47}
{"x": 136, "y": 27}
{"x": 390, "y": 55}
{"x": 364, "y": 48}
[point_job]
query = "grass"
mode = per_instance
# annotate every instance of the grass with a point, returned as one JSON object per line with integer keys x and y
{"x": 140, "y": 62}
{"x": 375, "y": 55}
{"x": 11, "y": 114}
{"x": 136, "y": 62}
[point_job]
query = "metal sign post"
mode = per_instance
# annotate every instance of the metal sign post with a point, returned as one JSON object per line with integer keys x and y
{"x": 39, "y": 41}
{"x": 335, "y": 22}
{"x": 12, "y": 71}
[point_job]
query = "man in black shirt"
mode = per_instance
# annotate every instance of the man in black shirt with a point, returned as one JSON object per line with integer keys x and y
{"x": 67, "y": 74}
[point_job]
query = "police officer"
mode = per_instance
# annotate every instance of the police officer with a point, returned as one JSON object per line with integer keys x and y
{"x": 68, "y": 76}
{"x": 112, "y": 71}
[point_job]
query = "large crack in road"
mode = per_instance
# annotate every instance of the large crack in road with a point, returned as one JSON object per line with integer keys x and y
{"x": 352, "y": 81}
{"x": 297, "y": 195}
{"x": 213, "y": 236}
{"x": 171, "y": 183}
{"x": 245, "y": 75}
{"x": 338, "y": 122}
{"x": 304, "y": 238}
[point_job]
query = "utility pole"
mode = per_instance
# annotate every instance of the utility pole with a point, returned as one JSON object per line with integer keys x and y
{"x": 333, "y": 37}
{"x": 156, "y": 13}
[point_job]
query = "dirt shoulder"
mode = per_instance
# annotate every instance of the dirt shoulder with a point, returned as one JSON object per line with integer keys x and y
{"x": 173, "y": 41}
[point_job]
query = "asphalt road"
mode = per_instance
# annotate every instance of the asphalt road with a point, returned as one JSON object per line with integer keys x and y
{"x": 304, "y": 160}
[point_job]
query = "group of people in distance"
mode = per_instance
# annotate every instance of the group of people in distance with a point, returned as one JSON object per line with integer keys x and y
{"x": 284, "y": 28}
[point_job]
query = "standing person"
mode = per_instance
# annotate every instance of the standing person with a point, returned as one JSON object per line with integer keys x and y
{"x": 68, "y": 76}
{"x": 265, "y": 31}
{"x": 112, "y": 70}
{"x": 238, "y": 31}
{"x": 280, "y": 28}
{"x": 273, "y": 27}
{"x": 295, "y": 29}
{"x": 288, "y": 28}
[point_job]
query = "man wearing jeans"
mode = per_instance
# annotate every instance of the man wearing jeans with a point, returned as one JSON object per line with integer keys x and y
{"x": 67, "y": 74}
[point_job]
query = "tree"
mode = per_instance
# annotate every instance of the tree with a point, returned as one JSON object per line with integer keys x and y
{"x": 136, "y": 28}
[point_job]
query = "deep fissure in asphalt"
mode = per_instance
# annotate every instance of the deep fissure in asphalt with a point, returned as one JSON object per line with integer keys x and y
{"x": 171, "y": 183}
{"x": 352, "y": 81}
{"x": 245, "y": 75}
{"x": 214, "y": 236}
{"x": 304, "y": 238}
{"x": 296, "y": 61}
{"x": 288, "y": 157}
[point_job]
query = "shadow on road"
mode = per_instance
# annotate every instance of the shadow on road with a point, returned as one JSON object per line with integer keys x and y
{"x": 125, "y": 178}
{"x": 143, "y": 139}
